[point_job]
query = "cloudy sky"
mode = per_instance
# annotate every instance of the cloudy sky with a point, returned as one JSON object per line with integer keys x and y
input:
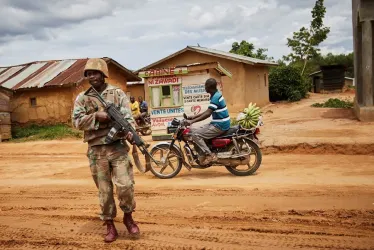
{"x": 139, "y": 32}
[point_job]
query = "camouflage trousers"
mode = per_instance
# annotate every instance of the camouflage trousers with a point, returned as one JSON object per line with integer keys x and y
{"x": 111, "y": 166}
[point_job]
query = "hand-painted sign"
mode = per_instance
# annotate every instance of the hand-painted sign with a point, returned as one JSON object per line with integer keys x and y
{"x": 167, "y": 112}
{"x": 194, "y": 89}
{"x": 199, "y": 89}
{"x": 196, "y": 98}
{"x": 160, "y": 122}
{"x": 155, "y": 81}
{"x": 196, "y": 109}
{"x": 163, "y": 72}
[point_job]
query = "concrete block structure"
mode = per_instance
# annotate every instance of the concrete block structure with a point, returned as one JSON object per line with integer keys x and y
{"x": 363, "y": 33}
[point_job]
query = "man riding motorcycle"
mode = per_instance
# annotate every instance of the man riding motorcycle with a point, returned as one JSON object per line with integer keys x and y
{"x": 220, "y": 121}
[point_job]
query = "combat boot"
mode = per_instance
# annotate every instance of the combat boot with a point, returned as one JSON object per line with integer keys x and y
{"x": 111, "y": 233}
{"x": 132, "y": 228}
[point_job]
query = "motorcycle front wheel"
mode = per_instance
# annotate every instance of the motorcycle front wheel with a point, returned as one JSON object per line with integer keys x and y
{"x": 172, "y": 166}
{"x": 254, "y": 151}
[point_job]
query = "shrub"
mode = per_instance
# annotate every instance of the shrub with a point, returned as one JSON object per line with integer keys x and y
{"x": 334, "y": 103}
{"x": 286, "y": 83}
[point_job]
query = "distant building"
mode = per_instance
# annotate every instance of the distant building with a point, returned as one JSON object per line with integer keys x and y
{"x": 135, "y": 89}
{"x": 249, "y": 82}
{"x": 329, "y": 79}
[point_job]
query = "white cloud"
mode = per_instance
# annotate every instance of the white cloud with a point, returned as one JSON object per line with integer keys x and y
{"x": 225, "y": 45}
{"x": 335, "y": 50}
{"x": 137, "y": 33}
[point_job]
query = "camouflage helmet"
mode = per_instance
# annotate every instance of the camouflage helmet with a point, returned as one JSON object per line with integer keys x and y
{"x": 97, "y": 64}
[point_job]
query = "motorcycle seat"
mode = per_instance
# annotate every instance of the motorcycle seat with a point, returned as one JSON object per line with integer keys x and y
{"x": 229, "y": 132}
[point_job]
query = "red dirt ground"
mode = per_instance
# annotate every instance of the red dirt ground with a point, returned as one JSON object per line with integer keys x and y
{"x": 298, "y": 199}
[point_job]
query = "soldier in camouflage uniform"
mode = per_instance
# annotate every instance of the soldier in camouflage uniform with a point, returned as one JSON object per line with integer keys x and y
{"x": 109, "y": 163}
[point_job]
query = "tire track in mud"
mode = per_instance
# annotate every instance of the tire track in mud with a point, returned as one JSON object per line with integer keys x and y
{"x": 221, "y": 231}
{"x": 171, "y": 237}
{"x": 342, "y": 218}
{"x": 320, "y": 149}
{"x": 175, "y": 192}
{"x": 338, "y": 217}
{"x": 298, "y": 148}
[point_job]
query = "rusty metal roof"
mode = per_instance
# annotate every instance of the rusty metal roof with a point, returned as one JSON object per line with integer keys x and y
{"x": 9, "y": 72}
{"x": 50, "y": 73}
{"x": 11, "y": 82}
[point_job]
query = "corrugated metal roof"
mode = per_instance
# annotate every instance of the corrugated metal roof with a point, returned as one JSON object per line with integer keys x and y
{"x": 248, "y": 59}
{"x": 134, "y": 83}
{"x": 51, "y": 73}
{"x": 213, "y": 52}
{"x": 11, "y": 71}
{"x": 71, "y": 75}
{"x": 48, "y": 74}
{"x": 315, "y": 73}
{"x": 23, "y": 75}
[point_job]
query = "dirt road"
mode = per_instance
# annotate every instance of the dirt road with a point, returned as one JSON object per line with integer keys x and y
{"x": 48, "y": 201}
{"x": 309, "y": 198}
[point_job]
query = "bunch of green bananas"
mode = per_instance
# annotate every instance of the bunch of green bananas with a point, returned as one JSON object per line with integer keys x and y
{"x": 250, "y": 116}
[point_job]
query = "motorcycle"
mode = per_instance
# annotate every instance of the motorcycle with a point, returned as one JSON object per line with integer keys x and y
{"x": 144, "y": 127}
{"x": 234, "y": 148}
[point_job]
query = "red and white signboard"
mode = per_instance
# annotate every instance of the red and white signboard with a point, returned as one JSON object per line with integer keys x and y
{"x": 166, "y": 80}
{"x": 161, "y": 122}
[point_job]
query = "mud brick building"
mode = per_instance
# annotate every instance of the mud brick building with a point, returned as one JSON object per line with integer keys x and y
{"x": 5, "y": 123}
{"x": 44, "y": 91}
{"x": 249, "y": 82}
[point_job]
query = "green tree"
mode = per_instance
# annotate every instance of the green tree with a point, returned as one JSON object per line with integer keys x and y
{"x": 248, "y": 49}
{"x": 331, "y": 59}
{"x": 304, "y": 43}
{"x": 286, "y": 83}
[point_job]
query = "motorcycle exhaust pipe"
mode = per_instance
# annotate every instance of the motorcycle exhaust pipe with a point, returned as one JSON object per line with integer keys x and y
{"x": 234, "y": 161}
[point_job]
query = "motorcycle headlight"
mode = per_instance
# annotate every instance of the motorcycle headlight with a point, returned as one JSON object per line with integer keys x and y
{"x": 175, "y": 122}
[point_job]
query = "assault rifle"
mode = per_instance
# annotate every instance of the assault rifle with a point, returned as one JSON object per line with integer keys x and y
{"x": 120, "y": 124}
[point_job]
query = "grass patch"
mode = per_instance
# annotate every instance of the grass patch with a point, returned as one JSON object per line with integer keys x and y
{"x": 38, "y": 132}
{"x": 334, "y": 103}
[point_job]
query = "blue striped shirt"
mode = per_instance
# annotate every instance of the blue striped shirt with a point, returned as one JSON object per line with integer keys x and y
{"x": 220, "y": 115}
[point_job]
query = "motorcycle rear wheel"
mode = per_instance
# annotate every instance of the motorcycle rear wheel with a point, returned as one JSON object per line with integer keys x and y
{"x": 174, "y": 161}
{"x": 254, "y": 150}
